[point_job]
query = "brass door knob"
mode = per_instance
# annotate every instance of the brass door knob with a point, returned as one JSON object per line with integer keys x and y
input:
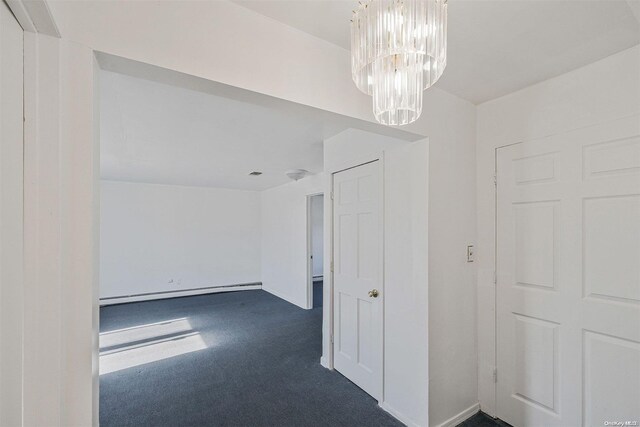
{"x": 373, "y": 293}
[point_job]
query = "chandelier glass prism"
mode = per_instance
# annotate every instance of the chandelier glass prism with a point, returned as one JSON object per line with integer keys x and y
{"x": 398, "y": 49}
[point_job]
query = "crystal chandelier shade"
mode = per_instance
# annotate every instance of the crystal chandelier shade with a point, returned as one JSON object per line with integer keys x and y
{"x": 398, "y": 49}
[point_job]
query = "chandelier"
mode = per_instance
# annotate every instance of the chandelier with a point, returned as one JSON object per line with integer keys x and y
{"x": 398, "y": 49}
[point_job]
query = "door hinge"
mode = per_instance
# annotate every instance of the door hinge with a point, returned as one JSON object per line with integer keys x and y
{"x": 495, "y": 375}
{"x": 495, "y": 278}
{"x": 331, "y": 194}
{"x": 331, "y": 339}
{"x": 495, "y": 180}
{"x": 331, "y": 266}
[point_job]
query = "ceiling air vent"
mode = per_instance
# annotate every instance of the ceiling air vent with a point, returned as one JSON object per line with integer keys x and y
{"x": 255, "y": 173}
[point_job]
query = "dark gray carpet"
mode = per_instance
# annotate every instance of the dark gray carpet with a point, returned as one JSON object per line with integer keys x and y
{"x": 260, "y": 368}
{"x": 483, "y": 420}
{"x": 317, "y": 294}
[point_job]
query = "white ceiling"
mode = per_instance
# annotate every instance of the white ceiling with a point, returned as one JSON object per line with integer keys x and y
{"x": 151, "y": 132}
{"x": 495, "y": 46}
{"x": 168, "y": 134}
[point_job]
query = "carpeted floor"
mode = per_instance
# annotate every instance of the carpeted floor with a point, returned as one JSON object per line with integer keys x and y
{"x": 317, "y": 294}
{"x": 483, "y": 420}
{"x": 230, "y": 359}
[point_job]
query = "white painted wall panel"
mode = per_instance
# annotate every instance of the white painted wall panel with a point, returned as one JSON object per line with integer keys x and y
{"x": 157, "y": 238}
{"x": 284, "y": 239}
{"x": 406, "y": 283}
{"x": 453, "y": 388}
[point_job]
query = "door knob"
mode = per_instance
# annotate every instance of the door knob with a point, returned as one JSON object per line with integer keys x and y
{"x": 373, "y": 293}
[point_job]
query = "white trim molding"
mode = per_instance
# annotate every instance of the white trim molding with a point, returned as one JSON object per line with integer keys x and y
{"x": 177, "y": 294}
{"x": 462, "y": 416}
{"x": 34, "y": 16}
{"x": 324, "y": 363}
{"x": 61, "y": 220}
{"x": 398, "y": 415}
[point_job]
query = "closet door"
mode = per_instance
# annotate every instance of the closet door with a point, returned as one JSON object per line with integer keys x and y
{"x": 357, "y": 274}
{"x": 568, "y": 291}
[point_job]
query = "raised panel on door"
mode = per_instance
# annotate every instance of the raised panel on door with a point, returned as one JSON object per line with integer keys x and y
{"x": 357, "y": 253}
{"x": 611, "y": 248}
{"x": 568, "y": 278}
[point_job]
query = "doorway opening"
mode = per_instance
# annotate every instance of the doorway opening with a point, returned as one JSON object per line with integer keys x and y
{"x": 315, "y": 249}
{"x": 203, "y": 244}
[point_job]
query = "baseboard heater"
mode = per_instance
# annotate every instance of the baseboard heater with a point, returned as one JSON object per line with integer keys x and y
{"x": 179, "y": 293}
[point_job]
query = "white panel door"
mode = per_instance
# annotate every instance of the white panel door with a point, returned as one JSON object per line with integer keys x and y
{"x": 357, "y": 257}
{"x": 568, "y": 288}
{"x": 11, "y": 209}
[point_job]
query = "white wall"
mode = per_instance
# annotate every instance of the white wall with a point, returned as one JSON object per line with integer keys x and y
{"x": 157, "y": 238}
{"x": 597, "y": 93}
{"x": 406, "y": 283}
{"x": 353, "y": 147}
{"x": 284, "y": 239}
{"x": 317, "y": 234}
{"x": 453, "y": 388}
{"x": 170, "y": 34}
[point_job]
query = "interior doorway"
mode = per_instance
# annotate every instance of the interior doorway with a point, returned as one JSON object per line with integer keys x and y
{"x": 315, "y": 249}
{"x": 155, "y": 141}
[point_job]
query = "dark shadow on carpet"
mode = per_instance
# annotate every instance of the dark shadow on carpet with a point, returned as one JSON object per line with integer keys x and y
{"x": 317, "y": 294}
{"x": 230, "y": 359}
{"x": 481, "y": 419}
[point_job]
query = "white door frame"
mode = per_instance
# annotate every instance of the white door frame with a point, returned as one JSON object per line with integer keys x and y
{"x": 61, "y": 229}
{"x": 494, "y": 330}
{"x": 310, "y": 251}
{"x": 328, "y": 285}
{"x": 12, "y": 297}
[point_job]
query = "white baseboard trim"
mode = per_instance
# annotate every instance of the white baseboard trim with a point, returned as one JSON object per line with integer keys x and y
{"x": 398, "y": 415}
{"x": 185, "y": 293}
{"x": 462, "y": 416}
{"x": 323, "y": 362}
{"x": 284, "y": 297}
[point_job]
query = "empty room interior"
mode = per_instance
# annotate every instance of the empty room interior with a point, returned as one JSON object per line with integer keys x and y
{"x": 202, "y": 184}
{"x": 320, "y": 213}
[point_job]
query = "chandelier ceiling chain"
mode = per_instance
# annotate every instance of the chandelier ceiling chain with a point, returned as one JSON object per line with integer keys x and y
{"x": 398, "y": 49}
